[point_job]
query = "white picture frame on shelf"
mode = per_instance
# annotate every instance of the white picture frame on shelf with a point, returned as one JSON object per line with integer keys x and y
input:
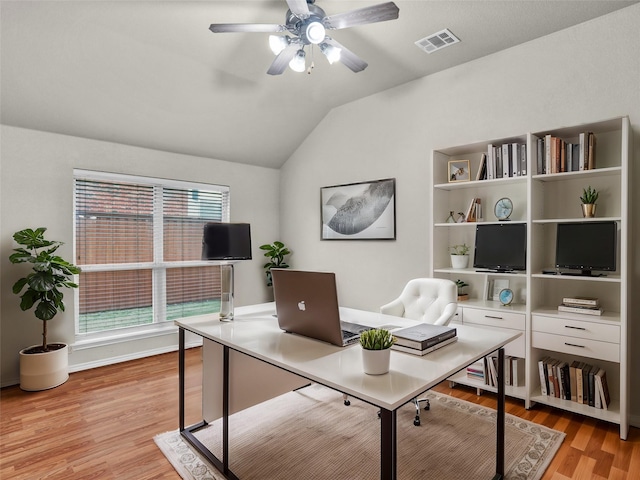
{"x": 499, "y": 284}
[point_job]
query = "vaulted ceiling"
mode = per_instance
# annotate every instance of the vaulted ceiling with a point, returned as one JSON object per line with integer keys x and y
{"x": 151, "y": 74}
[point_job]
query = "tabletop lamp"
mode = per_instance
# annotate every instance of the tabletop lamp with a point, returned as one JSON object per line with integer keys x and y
{"x": 227, "y": 243}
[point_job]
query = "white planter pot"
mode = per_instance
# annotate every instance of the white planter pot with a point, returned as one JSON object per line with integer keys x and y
{"x": 41, "y": 371}
{"x": 376, "y": 362}
{"x": 459, "y": 261}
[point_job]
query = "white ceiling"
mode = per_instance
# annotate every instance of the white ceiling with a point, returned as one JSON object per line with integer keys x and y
{"x": 151, "y": 74}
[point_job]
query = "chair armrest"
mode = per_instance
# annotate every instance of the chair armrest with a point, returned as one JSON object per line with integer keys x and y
{"x": 395, "y": 308}
{"x": 447, "y": 314}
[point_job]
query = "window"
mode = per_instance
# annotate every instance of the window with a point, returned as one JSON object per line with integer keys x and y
{"x": 138, "y": 241}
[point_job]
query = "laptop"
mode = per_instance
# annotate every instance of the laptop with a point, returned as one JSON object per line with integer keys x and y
{"x": 307, "y": 304}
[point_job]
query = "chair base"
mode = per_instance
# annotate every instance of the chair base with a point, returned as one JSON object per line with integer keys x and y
{"x": 416, "y": 402}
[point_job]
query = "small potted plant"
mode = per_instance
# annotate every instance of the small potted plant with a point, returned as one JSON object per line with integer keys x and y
{"x": 276, "y": 252}
{"x": 42, "y": 366}
{"x": 376, "y": 353}
{"x": 459, "y": 256}
{"x": 589, "y": 198}
{"x": 462, "y": 295}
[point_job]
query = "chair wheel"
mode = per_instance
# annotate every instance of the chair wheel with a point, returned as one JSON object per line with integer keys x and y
{"x": 378, "y": 413}
{"x": 427, "y": 407}
{"x": 416, "y": 422}
{"x": 347, "y": 403}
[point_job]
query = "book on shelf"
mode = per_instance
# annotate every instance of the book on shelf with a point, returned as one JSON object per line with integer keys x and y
{"x": 517, "y": 371}
{"x": 474, "y": 212}
{"x": 556, "y": 155}
{"x": 422, "y": 352}
{"x": 573, "y": 381}
{"x": 603, "y": 388}
{"x": 423, "y": 335}
{"x": 491, "y": 163}
{"x": 586, "y": 301}
{"x": 579, "y": 387}
{"x": 544, "y": 377}
{"x": 583, "y": 309}
{"x": 482, "y": 168}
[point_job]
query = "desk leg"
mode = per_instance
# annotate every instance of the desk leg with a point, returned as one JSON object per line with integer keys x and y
{"x": 500, "y": 419}
{"x": 181, "y": 377}
{"x": 388, "y": 445}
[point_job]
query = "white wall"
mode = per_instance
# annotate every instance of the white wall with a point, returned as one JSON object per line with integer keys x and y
{"x": 37, "y": 190}
{"x": 579, "y": 75}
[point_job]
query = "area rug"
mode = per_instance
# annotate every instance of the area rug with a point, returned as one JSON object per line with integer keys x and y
{"x": 310, "y": 434}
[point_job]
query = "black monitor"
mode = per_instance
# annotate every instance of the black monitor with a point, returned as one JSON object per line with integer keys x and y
{"x": 586, "y": 246}
{"x": 226, "y": 241}
{"x": 501, "y": 247}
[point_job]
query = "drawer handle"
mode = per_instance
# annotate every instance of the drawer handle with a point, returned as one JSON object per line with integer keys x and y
{"x": 573, "y": 345}
{"x": 575, "y": 328}
{"x": 491, "y": 316}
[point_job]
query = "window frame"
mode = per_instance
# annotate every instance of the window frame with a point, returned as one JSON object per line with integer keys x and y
{"x": 158, "y": 266}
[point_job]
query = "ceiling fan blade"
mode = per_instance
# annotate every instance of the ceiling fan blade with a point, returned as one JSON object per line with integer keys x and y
{"x": 283, "y": 58}
{"x": 246, "y": 27}
{"x": 375, "y": 13}
{"x": 347, "y": 57}
{"x": 299, "y": 8}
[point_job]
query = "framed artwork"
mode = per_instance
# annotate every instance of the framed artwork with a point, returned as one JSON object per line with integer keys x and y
{"x": 459, "y": 171}
{"x": 359, "y": 211}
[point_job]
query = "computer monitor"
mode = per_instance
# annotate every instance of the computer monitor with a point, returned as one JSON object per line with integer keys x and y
{"x": 501, "y": 247}
{"x": 226, "y": 241}
{"x": 586, "y": 246}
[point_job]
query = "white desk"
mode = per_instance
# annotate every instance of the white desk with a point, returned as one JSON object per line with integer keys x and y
{"x": 255, "y": 333}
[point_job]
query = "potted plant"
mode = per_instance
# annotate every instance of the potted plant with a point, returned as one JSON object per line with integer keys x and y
{"x": 42, "y": 366}
{"x": 376, "y": 353}
{"x": 588, "y": 198}
{"x": 459, "y": 255}
{"x": 462, "y": 295}
{"x": 276, "y": 252}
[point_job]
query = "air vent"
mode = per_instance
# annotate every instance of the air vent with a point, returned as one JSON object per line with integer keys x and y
{"x": 437, "y": 41}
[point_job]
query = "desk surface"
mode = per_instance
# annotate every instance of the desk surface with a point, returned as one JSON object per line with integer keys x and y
{"x": 255, "y": 332}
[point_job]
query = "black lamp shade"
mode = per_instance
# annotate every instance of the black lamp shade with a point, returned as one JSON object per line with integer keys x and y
{"x": 226, "y": 241}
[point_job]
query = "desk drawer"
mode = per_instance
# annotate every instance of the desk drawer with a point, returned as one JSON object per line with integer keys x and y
{"x": 477, "y": 316}
{"x": 576, "y": 346}
{"x": 576, "y": 328}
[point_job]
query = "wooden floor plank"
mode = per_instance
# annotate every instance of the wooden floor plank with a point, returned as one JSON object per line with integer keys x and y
{"x": 101, "y": 424}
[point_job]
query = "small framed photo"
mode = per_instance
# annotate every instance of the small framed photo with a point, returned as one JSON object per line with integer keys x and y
{"x": 459, "y": 171}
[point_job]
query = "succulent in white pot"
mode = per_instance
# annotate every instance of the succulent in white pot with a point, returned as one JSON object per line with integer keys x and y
{"x": 459, "y": 256}
{"x": 376, "y": 350}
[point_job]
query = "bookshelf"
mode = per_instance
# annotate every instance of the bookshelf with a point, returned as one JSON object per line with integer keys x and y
{"x": 542, "y": 201}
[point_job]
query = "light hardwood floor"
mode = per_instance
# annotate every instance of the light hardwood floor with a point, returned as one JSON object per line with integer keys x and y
{"x": 100, "y": 425}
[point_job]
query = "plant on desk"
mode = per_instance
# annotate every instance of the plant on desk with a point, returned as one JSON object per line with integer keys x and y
{"x": 376, "y": 353}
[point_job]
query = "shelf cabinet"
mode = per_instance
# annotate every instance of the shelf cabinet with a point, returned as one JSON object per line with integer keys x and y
{"x": 542, "y": 201}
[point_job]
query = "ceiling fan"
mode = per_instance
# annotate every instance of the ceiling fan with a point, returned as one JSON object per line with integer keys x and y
{"x": 307, "y": 23}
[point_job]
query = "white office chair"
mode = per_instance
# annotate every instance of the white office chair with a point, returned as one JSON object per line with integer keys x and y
{"x": 428, "y": 300}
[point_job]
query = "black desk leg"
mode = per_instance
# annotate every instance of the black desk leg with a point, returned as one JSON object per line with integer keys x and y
{"x": 181, "y": 377}
{"x": 500, "y": 418}
{"x": 388, "y": 445}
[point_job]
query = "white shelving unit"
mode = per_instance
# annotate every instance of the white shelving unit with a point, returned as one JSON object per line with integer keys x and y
{"x": 542, "y": 201}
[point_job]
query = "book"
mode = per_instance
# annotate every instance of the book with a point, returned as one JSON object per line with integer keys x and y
{"x": 573, "y": 381}
{"x": 491, "y": 163}
{"x": 587, "y": 301}
{"x": 423, "y": 335}
{"x": 517, "y": 371}
{"x": 591, "y": 162}
{"x": 415, "y": 351}
{"x": 482, "y": 168}
{"x": 540, "y": 156}
{"x": 603, "y": 388}
{"x": 585, "y": 310}
{"x": 544, "y": 378}
{"x": 579, "y": 387}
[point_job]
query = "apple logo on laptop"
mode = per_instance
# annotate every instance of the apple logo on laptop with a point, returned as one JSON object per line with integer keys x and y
{"x": 301, "y": 306}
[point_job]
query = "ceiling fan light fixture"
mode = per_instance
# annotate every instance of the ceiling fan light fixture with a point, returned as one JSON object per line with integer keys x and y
{"x": 298, "y": 63}
{"x": 332, "y": 53}
{"x": 315, "y": 32}
{"x": 278, "y": 43}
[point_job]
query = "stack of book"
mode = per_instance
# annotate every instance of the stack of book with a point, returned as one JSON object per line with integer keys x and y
{"x": 513, "y": 371}
{"x": 502, "y": 161}
{"x": 576, "y": 381}
{"x": 586, "y": 305}
{"x": 423, "y": 338}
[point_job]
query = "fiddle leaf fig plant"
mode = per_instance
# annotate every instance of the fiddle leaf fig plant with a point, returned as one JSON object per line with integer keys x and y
{"x": 49, "y": 274}
{"x": 276, "y": 252}
{"x": 377, "y": 339}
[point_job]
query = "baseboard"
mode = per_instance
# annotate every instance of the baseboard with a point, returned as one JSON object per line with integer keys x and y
{"x": 103, "y": 362}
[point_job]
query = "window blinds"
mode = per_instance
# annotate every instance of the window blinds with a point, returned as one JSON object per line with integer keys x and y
{"x": 139, "y": 241}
